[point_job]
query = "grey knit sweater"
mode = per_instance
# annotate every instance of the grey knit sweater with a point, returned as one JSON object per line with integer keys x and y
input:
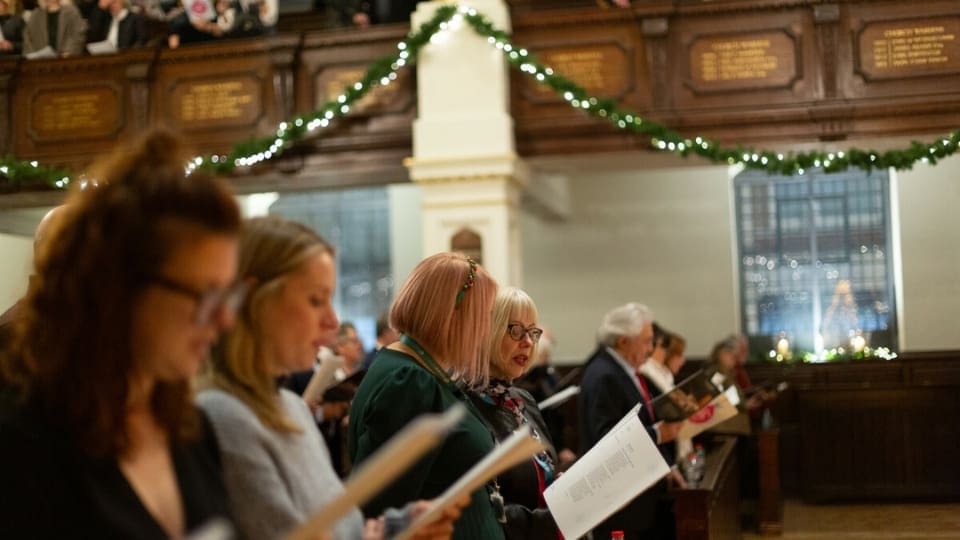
{"x": 275, "y": 481}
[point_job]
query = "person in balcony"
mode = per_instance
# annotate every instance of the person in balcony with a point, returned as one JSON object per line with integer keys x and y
{"x": 11, "y": 28}
{"x": 185, "y": 30}
{"x": 58, "y": 25}
{"x": 112, "y": 21}
{"x": 258, "y": 17}
{"x": 363, "y": 13}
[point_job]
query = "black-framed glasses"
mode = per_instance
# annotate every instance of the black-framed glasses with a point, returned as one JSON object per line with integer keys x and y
{"x": 208, "y": 301}
{"x": 517, "y": 331}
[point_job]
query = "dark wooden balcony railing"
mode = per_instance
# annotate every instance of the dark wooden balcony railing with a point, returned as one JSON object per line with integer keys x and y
{"x": 759, "y": 72}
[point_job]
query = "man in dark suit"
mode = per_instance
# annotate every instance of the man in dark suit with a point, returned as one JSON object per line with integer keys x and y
{"x": 611, "y": 386}
{"x": 130, "y": 31}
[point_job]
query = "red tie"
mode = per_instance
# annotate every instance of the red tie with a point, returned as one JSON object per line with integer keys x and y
{"x": 646, "y": 396}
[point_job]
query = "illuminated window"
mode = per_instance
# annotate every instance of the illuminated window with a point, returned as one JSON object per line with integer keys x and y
{"x": 357, "y": 223}
{"x": 815, "y": 260}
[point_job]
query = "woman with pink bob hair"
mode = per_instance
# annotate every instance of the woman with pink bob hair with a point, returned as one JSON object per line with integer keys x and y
{"x": 442, "y": 313}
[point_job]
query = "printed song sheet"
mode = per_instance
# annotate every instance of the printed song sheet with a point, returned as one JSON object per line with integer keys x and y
{"x": 722, "y": 408}
{"x": 324, "y": 377}
{"x": 624, "y": 464}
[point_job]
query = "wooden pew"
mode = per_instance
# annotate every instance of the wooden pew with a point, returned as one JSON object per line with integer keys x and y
{"x": 770, "y": 501}
{"x": 712, "y": 509}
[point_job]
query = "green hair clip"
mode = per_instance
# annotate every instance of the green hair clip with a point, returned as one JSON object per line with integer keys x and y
{"x": 471, "y": 276}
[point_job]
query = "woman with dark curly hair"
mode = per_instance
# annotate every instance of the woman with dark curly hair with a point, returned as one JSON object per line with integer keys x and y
{"x": 135, "y": 282}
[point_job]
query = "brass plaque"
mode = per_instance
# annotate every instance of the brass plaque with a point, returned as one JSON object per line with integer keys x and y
{"x": 745, "y": 61}
{"x": 86, "y": 113}
{"x": 602, "y": 70}
{"x": 332, "y": 82}
{"x": 910, "y": 48}
{"x": 209, "y": 103}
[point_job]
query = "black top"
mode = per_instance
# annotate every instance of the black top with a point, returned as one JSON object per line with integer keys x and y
{"x": 527, "y": 518}
{"x": 131, "y": 31}
{"x": 49, "y": 490}
{"x": 53, "y": 23}
{"x": 12, "y": 28}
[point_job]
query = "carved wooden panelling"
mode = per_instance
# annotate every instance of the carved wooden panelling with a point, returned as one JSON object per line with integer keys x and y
{"x": 216, "y": 95}
{"x": 901, "y": 50}
{"x": 766, "y": 59}
{"x": 71, "y": 110}
{"x": 909, "y": 48}
{"x": 225, "y": 101}
{"x": 608, "y": 57}
{"x": 603, "y": 69}
{"x": 743, "y": 61}
{"x": 330, "y": 61}
{"x": 395, "y": 97}
{"x": 90, "y": 112}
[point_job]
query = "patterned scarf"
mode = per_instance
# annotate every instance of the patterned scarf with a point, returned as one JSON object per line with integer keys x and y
{"x": 498, "y": 393}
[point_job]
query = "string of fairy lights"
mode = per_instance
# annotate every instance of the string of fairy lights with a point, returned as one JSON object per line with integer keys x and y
{"x": 449, "y": 18}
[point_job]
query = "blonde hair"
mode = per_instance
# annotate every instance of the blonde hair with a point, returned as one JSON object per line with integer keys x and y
{"x": 271, "y": 249}
{"x": 509, "y": 300}
{"x": 426, "y": 310}
{"x": 676, "y": 347}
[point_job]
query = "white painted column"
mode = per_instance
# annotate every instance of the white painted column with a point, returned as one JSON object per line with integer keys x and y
{"x": 464, "y": 155}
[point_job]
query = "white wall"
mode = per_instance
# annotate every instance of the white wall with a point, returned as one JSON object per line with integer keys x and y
{"x": 16, "y": 258}
{"x": 661, "y": 237}
{"x": 406, "y": 230}
{"x": 665, "y": 237}
{"x": 929, "y": 202}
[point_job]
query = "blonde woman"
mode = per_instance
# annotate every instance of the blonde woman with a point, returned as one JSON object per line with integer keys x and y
{"x": 276, "y": 467}
{"x": 513, "y": 348}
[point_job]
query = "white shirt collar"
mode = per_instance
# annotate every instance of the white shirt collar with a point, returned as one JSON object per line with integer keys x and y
{"x": 630, "y": 370}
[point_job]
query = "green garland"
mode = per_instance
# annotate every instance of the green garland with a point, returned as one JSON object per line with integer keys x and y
{"x": 16, "y": 174}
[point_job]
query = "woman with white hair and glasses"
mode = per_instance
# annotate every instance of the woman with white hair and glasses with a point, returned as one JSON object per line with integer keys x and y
{"x": 512, "y": 349}
{"x": 612, "y": 385}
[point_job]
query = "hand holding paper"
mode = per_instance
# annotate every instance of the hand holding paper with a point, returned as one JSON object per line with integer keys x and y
{"x": 516, "y": 448}
{"x": 322, "y": 378}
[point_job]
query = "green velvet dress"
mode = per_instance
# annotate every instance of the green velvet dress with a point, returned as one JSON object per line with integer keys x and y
{"x": 395, "y": 391}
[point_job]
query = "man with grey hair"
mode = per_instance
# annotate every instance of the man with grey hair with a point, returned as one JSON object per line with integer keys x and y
{"x": 612, "y": 385}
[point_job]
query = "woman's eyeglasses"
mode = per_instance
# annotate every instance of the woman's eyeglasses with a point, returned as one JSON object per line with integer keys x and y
{"x": 517, "y": 331}
{"x": 209, "y": 301}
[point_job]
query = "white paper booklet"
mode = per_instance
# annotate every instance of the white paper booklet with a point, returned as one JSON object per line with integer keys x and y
{"x": 517, "y": 447}
{"x": 383, "y": 467}
{"x": 46, "y": 52}
{"x": 559, "y": 398}
{"x": 624, "y": 464}
{"x": 101, "y": 47}
{"x": 721, "y": 409}
{"x": 323, "y": 377}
